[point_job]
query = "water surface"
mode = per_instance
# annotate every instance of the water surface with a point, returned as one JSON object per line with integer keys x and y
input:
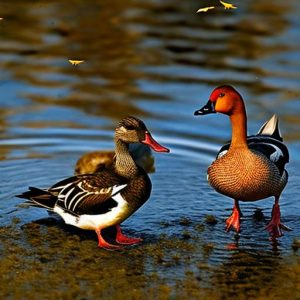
{"x": 157, "y": 60}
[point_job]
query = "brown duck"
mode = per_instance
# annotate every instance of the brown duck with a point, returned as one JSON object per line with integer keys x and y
{"x": 100, "y": 200}
{"x": 248, "y": 168}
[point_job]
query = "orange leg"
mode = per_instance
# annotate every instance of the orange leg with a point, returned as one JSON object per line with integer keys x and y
{"x": 275, "y": 227}
{"x": 104, "y": 244}
{"x": 125, "y": 240}
{"x": 234, "y": 219}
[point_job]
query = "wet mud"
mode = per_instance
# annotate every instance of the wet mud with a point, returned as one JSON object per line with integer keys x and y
{"x": 46, "y": 259}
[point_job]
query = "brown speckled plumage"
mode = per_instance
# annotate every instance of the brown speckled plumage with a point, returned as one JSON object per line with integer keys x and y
{"x": 246, "y": 175}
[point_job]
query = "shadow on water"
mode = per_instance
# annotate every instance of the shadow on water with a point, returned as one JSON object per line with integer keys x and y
{"x": 157, "y": 60}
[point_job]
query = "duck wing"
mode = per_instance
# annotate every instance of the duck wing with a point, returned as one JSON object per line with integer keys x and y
{"x": 273, "y": 149}
{"x": 84, "y": 194}
{"x": 88, "y": 194}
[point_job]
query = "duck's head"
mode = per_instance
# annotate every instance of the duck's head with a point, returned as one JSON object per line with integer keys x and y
{"x": 223, "y": 99}
{"x": 133, "y": 130}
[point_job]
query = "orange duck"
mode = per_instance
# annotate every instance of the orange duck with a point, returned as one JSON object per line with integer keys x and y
{"x": 108, "y": 197}
{"x": 248, "y": 168}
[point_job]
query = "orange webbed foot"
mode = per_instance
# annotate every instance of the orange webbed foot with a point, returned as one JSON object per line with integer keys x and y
{"x": 275, "y": 226}
{"x": 234, "y": 219}
{"x": 104, "y": 244}
{"x": 125, "y": 240}
{"x": 275, "y": 229}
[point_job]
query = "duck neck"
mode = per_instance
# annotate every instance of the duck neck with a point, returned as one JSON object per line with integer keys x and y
{"x": 125, "y": 165}
{"x": 239, "y": 128}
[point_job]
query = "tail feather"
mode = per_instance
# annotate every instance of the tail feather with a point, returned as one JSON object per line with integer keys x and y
{"x": 39, "y": 197}
{"x": 271, "y": 128}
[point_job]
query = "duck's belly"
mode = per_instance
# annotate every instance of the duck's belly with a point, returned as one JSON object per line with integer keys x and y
{"x": 247, "y": 177}
{"x": 114, "y": 216}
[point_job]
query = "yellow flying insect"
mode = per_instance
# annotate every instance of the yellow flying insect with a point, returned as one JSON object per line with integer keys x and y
{"x": 227, "y": 5}
{"x": 205, "y": 9}
{"x": 75, "y": 62}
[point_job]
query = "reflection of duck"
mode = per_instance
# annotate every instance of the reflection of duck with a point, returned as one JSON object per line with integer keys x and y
{"x": 100, "y": 200}
{"x": 249, "y": 168}
{"x": 96, "y": 161}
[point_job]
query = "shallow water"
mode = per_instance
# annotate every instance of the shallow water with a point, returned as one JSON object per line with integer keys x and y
{"x": 158, "y": 60}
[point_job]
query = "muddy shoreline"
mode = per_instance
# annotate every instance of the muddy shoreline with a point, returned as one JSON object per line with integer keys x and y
{"x": 46, "y": 260}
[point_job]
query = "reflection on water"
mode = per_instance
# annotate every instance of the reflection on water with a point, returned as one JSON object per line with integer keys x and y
{"x": 157, "y": 60}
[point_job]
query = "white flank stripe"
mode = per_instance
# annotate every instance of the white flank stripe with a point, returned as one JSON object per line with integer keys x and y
{"x": 276, "y": 155}
{"x": 71, "y": 202}
{"x": 80, "y": 186}
{"x": 66, "y": 190}
{"x": 222, "y": 153}
{"x": 79, "y": 200}
{"x": 68, "y": 194}
{"x": 117, "y": 188}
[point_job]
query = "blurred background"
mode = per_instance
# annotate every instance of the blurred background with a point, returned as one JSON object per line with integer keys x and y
{"x": 159, "y": 61}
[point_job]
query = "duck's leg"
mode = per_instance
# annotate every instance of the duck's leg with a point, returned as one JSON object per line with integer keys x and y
{"x": 234, "y": 219}
{"x": 123, "y": 239}
{"x": 102, "y": 243}
{"x": 275, "y": 227}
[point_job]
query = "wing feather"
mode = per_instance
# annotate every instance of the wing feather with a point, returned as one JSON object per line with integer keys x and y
{"x": 89, "y": 193}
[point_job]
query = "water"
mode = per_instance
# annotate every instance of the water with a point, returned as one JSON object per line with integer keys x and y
{"x": 157, "y": 60}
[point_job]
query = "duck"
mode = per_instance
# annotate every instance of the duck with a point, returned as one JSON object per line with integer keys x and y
{"x": 248, "y": 168}
{"x": 96, "y": 161}
{"x": 106, "y": 198}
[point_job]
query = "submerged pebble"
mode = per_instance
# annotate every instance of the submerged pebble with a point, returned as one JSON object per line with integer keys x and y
{"x": 296, "y": 244}
{"x": 211, "y": 220}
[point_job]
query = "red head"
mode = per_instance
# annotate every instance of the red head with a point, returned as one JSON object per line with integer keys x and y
{"x": 223, "y": 99}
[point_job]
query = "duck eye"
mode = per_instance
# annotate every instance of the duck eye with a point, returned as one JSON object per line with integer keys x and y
{"x": 221, "y": 95}
{"x": 130, "y": 127}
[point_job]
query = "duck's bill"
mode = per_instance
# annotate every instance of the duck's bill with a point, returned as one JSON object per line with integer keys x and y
{"x": 208, "y": 108}
{"x": 149, "y": 140}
